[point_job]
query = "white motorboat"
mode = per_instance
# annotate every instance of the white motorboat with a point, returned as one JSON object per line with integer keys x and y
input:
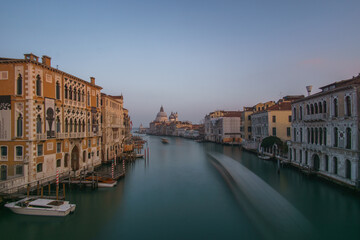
{"x": 264, "y": 157}
{"x": 41, "y": 207}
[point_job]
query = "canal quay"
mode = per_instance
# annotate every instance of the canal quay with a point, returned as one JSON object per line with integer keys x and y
{"x": 179, "y": 193}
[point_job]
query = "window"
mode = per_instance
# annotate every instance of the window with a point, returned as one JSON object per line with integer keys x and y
{"x": 300, "y": 157}
{"x": 336, "y": 137}
{"x": 89, "y": 143}
{"x": 97, "y": 153}
{"x": 39, "y": 167}
{"x": 57, "y": 90}
{"x": 308, "y": 135}
{"x": 38, "y": 124}
{"x": 288, "y": 132}
{"x": 97, "y": 100}
{"x": 70, "y": 93}
{"x": 301, "y": 135}
{"x": 58, "y": 125}
{"x": 307, "y": 109}
{"x": 71, "y": 126}
{"x": 348, "y": 106}
{"x": 75, "y": 92}
{"x": 66, "y": 125}
{"x": 316, "y": 136}
{"x": 58, "y": 163}
{"x": 325, "y": 136}
{"x": 324, "y": 105}
{"x": 19, "y": 170}
{"x": 335, "y": 165}
{"x": 312, "y": 136}
{"x": 320, "y": 107}
{"x": 19, "y": 151}
{"x": 348, "y": 138}
{"x": 39, "y": 149}
{"x": 98, "y": 141}
{"x": 4, "y": 152}
{"x": 300, "y": 113}
{"x": 19, "y": 83}
{"x": 348, "y": 169}
{"x": 58, "y": 147}
{"x": 66, "y": 91}
{"x": 3, "y": 172}
{"x": 273, "y": 119}
{"x": 326, "y": 163}
{"x": 19, "y": 126}
{"x": 312, "y": 109}
{"x": 88, "y": 98}
{"x": 89, "y": 155}
{"x": 320, "y": 136}
{"x": 294, "y": 114}
{"x": 249, "y": 117}
{"x": 335, "y": 107}
{"x": 249, "y": 129}
{"x": 274, "y": 131}
{"x": 289, "y": 118}
{"x": 66, "y": 160}
{"x": 38, "y": 85}
{"x": 82, "y": 96}
{"x": 306, "y": 157}
{"x": 316, "y": 108}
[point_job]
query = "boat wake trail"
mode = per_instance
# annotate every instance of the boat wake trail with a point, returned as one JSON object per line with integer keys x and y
{"x": 273, "y": 216}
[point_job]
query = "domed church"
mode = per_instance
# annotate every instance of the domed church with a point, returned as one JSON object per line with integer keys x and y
{"x": 161, "y": 116}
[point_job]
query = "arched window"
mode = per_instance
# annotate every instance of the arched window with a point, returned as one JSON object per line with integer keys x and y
{"x": 38, "y": 85}
{"x": 57, "y": 90}
{"x": 294, "y": 114}
{"x": 308, "y": 135}
{"x": 348, "y": 138}
{"x": 300, "y": 113}
{"x": 312, "y": 136}
{"x": 348, "y": 169}
{"x": 79, "y": 95}
{"x": 38, "y": 124}
{"x": 307, "y": 109}
{"x": 316, "y": 136}
{"x": 58, "y": 126}
{"x": 316, "y": 108}
{"x": 320, "y": 107}
{"x": 66, "y": 125}
{"x": 70, "y": 93}
{"x": 82, "y": 96}
{"x": 320, "y": 136}
{"x": 324, "y": 105}
{"x": 326, "y": 163}
{"x": 335, "y": 102}
{"x": 19, "y": 85}
{"x": 348, "y": 106}
{"x": 71, "y": 125}
{"x": 301, "y": 135}
{"x": 19, "y": 126}
{"x": 80, "y": 125}
{"x": 75, "y": 91}
{"x": 336, "y": 137}
{"x": 335, "y": 165}
{"x": 88, "y": 98}
{"x": 88, "y": 125}
{"x": 66, "y": 91}
{"x": 312, "y": 108}
{"x": 294, "y": 134}
{"x": 83, "y": 126}
{"x": 75, "y": 126}
{"x": 325, "y": 136}
{"x": 97, "y": 100}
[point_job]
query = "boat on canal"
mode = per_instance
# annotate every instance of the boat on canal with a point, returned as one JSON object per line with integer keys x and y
{"x": 103, "y": 182}
{"x": 164, "y": 140}
{"x": 264, "y": 157}
{"x": 41, "y": 207}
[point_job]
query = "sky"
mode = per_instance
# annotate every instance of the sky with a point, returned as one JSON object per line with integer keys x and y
{"x": 193, "y": 57}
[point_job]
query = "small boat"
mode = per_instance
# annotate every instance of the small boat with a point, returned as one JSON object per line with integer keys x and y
{"x": 164, "y": 140}
{"x": 103, "y": 182}
{"x": 139, "y": 155}
{"x": 264, "y": 157}
{"x": 41, "y": 207}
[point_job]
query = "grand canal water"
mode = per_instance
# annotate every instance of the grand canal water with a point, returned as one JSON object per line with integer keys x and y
{"x": 179, "y": 194}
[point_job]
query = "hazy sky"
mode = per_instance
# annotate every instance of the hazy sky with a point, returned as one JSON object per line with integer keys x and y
{"x": 192, "y": 56}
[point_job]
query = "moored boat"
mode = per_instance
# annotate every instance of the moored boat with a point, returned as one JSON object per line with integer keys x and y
{"x": 41, "y": 207}
{"x": 164, "y": 140}
{"x": 103, "y": 182}
{"x": 264, "y": 157}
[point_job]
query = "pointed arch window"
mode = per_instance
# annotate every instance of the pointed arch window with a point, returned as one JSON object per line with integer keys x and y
{"x": 19, "y": 85}
{"x": 324, "y": 105}
{"x": 71, "y": 125}
{"x": 38, "y": 124}
{"x": 19, "y": 126}
{"x": 320, "y": 107}
{"x": 79, "y": 95}
{"x": 75, "y": 126}
{"x": 66, "y": 91}
{"x": 325, "y": 136}
{"x": 83, "y": 126}
{"x": 348, "y": 106}
{"x": 58, "y": 126}
{"x": 88, "y": 98}
{"x": 300, "y": 113}
{"x": 336, "y": 137}
{"x": 316, "y": 108}
{"x": 38, "y": 85}
{"x": 57, "y": 90}
{"x": 348, "y": 138}
{"x": 70, "y": 93}
{"x": 82, "y": 96}
{"x": 312, "y": 108}
{"x": 335, "y": 107}
{"x": 75, "y": 91}
{"x": 66, "y": 125}
{"x": 88, "y": 125}
{"x": 335, "y": 165}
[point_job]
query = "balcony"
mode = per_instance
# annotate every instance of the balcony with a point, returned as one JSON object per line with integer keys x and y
{"x": 41, "y": 136}
{"x": 61, "y": 135}
{"x": 320, "y": 117}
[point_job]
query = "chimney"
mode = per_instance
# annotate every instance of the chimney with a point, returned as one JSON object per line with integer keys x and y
{"x": 92, "y": 80}
{"x": 46, "y": 60}
{"x": 31, "y": 56}
{"x": 308, "y": 89}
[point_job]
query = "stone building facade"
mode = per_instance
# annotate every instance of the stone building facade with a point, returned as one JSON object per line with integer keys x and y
{"x": 50, "y": 121}
{"x": 325, "y": 129}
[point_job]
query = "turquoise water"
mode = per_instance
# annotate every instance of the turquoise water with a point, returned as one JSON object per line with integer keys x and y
{"x": 179, "y": 194}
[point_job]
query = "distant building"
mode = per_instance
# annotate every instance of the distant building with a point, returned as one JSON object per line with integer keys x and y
{"x": 245, "y": 124}
{"x": 325, "y": 130}
{"x": 113, "y": 131}
{"x": 223, "y": 127}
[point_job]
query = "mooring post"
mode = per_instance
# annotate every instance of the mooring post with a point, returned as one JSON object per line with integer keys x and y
{"x": 57, "y": 192}
{"x": 64, "y": 190}
{"x": 28, "y": 190}
{"x": 278, "y": 165}
{"x": 49, "y": 188}
{"x": 42, "y": 191}
{"x": 38, "y": 189}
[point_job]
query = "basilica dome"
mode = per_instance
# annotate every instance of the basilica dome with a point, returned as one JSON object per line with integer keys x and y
{"x": 161, "y": 116}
